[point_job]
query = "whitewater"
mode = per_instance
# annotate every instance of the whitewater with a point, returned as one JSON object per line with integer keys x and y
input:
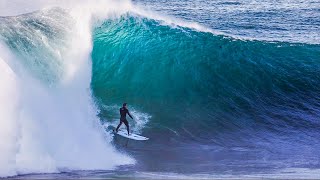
{"x": 48, "y": 117}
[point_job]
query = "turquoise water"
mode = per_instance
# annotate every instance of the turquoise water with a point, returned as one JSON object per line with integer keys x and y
{"x": 186, "y": 74}
{"x": 223, "y": 89}
{"x": 211, "y": 90}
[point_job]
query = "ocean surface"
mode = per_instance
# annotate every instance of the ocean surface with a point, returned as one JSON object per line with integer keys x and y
{"x": 223, "y": 88}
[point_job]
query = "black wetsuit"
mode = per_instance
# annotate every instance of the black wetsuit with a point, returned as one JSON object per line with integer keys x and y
{"x": 123, "y": 113}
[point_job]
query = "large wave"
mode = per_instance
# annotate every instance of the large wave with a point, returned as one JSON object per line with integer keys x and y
{"x": 180, "y": 79}
{"x": 206, "y": 87}
{"x": 222, "y": 102}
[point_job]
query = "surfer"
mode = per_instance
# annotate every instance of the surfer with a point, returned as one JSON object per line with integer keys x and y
{"x": 123, "y": 113}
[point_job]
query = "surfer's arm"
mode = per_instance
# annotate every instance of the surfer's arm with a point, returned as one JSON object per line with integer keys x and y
{"x": 129, "y": 114}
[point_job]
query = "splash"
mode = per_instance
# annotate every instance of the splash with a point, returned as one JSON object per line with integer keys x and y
{"x": 48, "y": 119}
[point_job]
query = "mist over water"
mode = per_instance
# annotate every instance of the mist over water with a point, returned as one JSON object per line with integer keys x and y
{"x": 49, "y": 120}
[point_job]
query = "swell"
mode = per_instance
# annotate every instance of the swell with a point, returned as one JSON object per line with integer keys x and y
{"x": 203, "y": 83}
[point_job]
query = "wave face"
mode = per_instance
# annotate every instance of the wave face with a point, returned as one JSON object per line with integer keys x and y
{"x": 48, "y": 119}
{"x": 191, "y": 75}
{"x": 209, "y": 89}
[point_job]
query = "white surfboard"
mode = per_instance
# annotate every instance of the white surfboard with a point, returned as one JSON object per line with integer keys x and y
{"x": 137, "y": 137}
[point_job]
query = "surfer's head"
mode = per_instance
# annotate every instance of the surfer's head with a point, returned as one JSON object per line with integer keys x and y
{"x": 124, "y": 105}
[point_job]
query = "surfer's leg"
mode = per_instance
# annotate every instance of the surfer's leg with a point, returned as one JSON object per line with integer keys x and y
{"x": 127, "y": 124}
{"x": 118, "y": 126}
